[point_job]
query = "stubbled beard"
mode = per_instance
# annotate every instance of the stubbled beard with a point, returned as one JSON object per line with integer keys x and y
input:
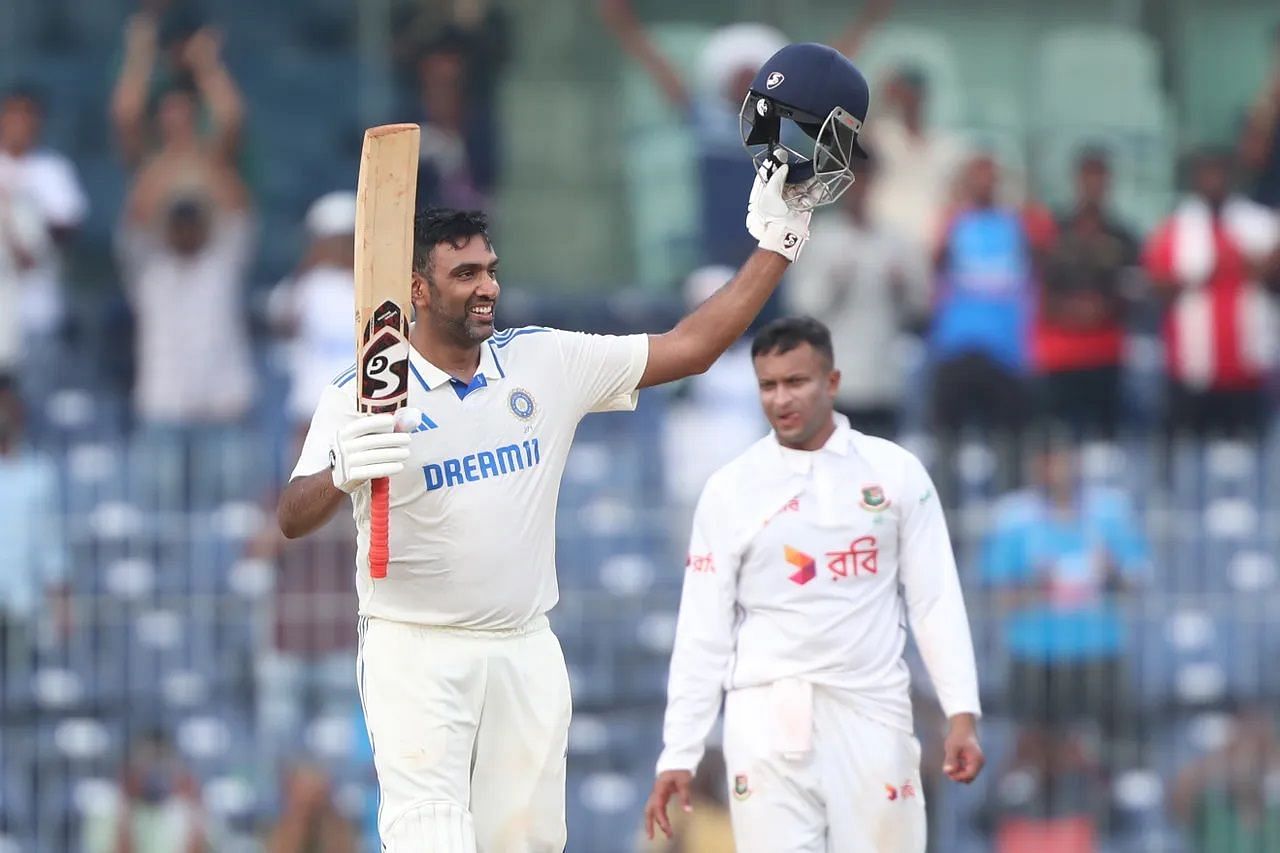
{"x": 461, "y": 329}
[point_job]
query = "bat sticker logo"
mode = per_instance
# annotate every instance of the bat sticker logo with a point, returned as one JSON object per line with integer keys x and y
{"x": 384, "y": 360}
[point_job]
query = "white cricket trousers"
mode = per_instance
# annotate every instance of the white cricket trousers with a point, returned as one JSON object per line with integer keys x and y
{"x": 469, "y": 731}
{"x": 807, "y": 773}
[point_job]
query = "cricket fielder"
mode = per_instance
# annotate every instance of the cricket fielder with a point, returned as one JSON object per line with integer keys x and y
{"x": 810, "y": 554}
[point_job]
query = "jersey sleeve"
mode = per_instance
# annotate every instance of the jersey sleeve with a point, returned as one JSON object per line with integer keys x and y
{"x": 603, "y": 370}
{"x": 931, "y": 589}
{"x": 336, "y": 408}
{"x": 704, "y": 641}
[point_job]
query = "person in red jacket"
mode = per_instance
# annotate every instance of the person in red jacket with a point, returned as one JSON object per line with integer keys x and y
{"x": 1213, "y": 259}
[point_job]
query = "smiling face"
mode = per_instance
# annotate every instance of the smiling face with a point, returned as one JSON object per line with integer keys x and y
{"x": 798, "y": 393}
{"x": 458, "y": 291}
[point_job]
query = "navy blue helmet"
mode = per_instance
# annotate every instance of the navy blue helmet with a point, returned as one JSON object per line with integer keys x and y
{"x": 807, "y": 90}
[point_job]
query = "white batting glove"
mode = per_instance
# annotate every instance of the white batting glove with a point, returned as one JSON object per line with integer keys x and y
{"x": 771, "y": 220}
{"x": 367, "y": 448}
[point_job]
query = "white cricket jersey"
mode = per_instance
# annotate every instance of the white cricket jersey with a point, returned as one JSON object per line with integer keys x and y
{"x": 473, "y": 515}
{"x": 809, "y": 565}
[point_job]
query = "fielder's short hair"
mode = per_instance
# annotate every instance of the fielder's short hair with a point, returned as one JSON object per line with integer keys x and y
{"x": 435, "y": 225}
{"x": 787, "y": 333}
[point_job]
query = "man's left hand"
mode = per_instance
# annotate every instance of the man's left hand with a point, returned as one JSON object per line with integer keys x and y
{"x": 962, "y": 755}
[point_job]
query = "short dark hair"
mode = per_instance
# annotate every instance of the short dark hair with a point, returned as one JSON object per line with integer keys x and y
{"x": 787, "y": 333}
{"x": 912, "y": 76}
{"x": 24, "y": 91}
{"x": 1093, "y": 155}
{"x": 435, "y": 225}
{"x": 182, "y": 84}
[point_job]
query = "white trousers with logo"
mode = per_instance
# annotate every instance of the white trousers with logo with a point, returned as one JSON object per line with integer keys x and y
{"x": 469, "y": 731}
{"x": 809, "y": 774}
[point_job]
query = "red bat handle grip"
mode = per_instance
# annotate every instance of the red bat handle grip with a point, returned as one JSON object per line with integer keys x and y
{"x": 379, "y": 551}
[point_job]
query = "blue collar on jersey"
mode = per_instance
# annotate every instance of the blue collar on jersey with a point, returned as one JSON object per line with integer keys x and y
{"x": 432, "y": 377}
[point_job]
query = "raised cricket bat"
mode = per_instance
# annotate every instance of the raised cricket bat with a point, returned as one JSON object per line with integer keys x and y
{"x": 385, "y": 197}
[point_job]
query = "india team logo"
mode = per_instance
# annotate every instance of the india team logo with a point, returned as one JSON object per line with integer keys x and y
{"x": 741, "y": 790}
{"x": 521, "y": 403}
{"x": 873, "y": 499}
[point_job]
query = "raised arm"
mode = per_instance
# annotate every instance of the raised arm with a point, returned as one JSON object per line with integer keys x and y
{"x": 1261, "y": 123}
{"x": 872, "y": 13}
{"x": 620, "y": 19}
{"x": 129, "y": 100}
{"x": 218, "y": 91}
{"x": 711, "y": 328}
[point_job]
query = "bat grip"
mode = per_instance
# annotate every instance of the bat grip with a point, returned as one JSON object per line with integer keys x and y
{"x": 379, "y": 551}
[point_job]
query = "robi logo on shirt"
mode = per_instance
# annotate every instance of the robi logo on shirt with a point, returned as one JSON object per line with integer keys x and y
{"x": 860, "y": 557}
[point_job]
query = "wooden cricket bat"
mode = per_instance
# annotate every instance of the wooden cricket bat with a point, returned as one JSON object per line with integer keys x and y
{"x": 385, "y": 197}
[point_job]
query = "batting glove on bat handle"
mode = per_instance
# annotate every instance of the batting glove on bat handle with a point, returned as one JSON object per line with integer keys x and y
{"x": 365, "y": 449}
{"x": 774, "y": 224}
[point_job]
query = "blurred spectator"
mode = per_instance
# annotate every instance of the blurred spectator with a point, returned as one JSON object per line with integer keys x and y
{"x": 314, "y": 306}
{"x": 868, "y": 285}
{"x": 707, "y": 828}
{"x": 23, "y": 243}
{"x": 34, "y": 594}
{"x": 1052, "y": 799}
{"x": 715, "y": 414}
{"x": 41, "y": 206}
{"x": 1212, "y": 260}
{"x": 987, "y": 267}
{"x": 159, "y": 808}
{"x": 185, "y": 244}
{"x": 918, "y": 164}
{"x": 1057, "y": 557}
{"x": 457, "y": 71}
{"x": 1260, "y": 140}
{"x": 1080, "y": 331}
{"x": 310, "y": 822}
{"x": 727, "y": 64}
{"x": 191, "y": 111}
{"x": 1228, "y": 799}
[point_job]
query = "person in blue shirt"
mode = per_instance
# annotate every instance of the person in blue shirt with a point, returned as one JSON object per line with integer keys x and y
{"x": 35, "y": 603}
{"x": 1057, "y": 558}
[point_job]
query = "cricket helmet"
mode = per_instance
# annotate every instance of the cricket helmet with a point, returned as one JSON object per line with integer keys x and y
{"x": 807, "y": 94}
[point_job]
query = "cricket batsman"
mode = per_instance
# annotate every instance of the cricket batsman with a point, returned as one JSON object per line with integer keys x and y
{"x": 463, "y": 685}
{"x": 810, "y": 554}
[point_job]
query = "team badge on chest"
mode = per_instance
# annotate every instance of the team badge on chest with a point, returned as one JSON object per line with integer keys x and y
{"x": 521, "y": 403}
{"x": 873, "y": 499}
